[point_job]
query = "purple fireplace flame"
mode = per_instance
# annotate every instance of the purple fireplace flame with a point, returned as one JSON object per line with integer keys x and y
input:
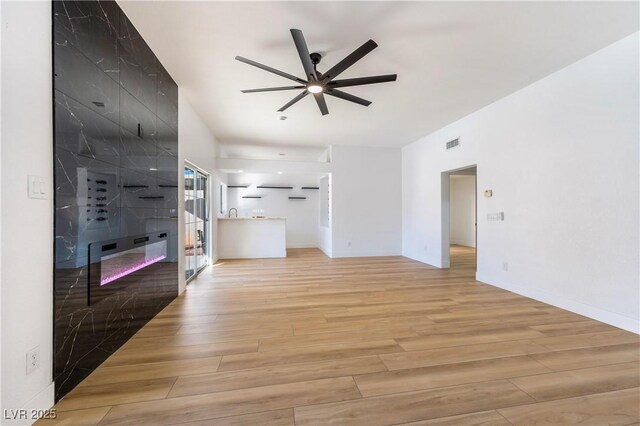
{"x": 121, "y": 264}
{"x": 106, "y": 279}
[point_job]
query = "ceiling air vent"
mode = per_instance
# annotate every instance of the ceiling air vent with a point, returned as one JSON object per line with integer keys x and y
{"x": 453, "y": 143}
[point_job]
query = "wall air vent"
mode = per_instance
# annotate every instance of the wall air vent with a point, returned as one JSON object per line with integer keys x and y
{"x": 453, "y": 143}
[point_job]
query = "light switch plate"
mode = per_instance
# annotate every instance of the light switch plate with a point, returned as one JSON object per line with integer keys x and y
{"x": 37, "y": 187}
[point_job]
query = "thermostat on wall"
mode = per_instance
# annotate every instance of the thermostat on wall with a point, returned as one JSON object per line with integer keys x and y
{"x": 495, "y": 217}
{"x": 488, "y": 193}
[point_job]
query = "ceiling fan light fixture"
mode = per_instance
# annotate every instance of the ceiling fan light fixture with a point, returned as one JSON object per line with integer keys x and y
{"x": 315, "y": 88}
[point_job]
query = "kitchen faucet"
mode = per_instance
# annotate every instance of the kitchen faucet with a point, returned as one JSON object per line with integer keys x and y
{"x": 233, "y": 209}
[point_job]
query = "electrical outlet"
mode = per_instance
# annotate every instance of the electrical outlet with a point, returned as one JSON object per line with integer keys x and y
{"x": 33, "y": 360}
{"x": 348, "y": 243}
{"x": 505, "y": 266}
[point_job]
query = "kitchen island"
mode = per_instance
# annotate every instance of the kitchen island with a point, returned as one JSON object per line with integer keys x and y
{"x": 251, "y": 238}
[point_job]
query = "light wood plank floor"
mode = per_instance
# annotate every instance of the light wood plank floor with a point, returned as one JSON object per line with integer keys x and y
{"x": 309, "y": 340}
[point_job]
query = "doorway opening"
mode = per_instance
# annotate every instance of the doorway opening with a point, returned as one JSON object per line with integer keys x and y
{"x": 459, "y": 218}
{"x": 196, "y": 220}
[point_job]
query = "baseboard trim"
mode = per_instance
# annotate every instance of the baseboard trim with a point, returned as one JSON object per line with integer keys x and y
{"x": 326, "y": 252}
{"x": 580, "y": 308}
{"x": 436, "y": 263}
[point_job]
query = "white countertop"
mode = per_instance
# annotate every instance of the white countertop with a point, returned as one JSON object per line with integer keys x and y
{"x": 252, "y": 218}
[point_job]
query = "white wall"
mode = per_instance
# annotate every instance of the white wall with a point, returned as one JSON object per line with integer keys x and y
{"x": 365, "y": 198}
{"x": 272, "y": 166}
{"x": 561, "y": 157}
{"x": 27, "y": 224}
{"x": 197, "y": 145}
{"x": 366, "y": 201}
{"x": 302, "y": 215}
{"x": 462, "y": 211}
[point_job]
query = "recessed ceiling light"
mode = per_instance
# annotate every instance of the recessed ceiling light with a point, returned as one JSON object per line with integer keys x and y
{"x": 153, "y": 169}
{"x": 314, "y": 88}
{"x": 240, "y": 171}
{"x": 279, "y": 173}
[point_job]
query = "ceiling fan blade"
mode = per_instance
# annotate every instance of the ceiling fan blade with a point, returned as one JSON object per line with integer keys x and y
{"x": 347, "y": 97}
{"x": 322, "y": 103}
{"x": 351, "y": 59}
{"x": 294, "y": 100}
{"x": 303, "y": 51}
{"x": 272, "y": 89}
{"x": 272, "y": 70}
{"x": 348, "y": 82}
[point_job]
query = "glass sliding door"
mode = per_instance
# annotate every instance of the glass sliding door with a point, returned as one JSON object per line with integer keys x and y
{"x": 189, "y": 223}
{"x": 196, "y": 202}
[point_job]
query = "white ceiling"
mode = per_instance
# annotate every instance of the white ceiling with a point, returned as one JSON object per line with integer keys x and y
{"x": 452, "y": 58}
{"x": 280, "y": 152}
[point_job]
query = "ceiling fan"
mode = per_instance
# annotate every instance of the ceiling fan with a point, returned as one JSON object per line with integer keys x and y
{"x": 318, "y": 83}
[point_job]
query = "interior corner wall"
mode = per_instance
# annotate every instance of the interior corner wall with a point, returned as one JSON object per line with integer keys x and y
{"x": 197, "y": 146}
{"x": 27, "y": 239}
{"x": 462, "y": 205}
{"x": 561, "y": 157}
{"x": 366, "y": 201}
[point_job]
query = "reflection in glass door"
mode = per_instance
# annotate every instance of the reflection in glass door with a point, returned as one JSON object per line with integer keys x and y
{"x": 196, "y": 221}
{"x": 202, "y": 217}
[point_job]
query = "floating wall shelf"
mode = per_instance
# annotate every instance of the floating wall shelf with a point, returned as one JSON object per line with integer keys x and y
{"x": 274, "y": 187}
{"x": 251, "y": 196}
{"x": 297, "y": 198}
{"x": 310, "y": 187}
{"x": 237, "y": 186}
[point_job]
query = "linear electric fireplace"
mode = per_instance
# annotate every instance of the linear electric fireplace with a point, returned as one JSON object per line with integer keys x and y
{"x": 116, "y": 264}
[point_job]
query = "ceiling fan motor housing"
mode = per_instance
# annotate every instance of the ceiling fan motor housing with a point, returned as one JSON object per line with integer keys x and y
{"x": 315, "y": 58}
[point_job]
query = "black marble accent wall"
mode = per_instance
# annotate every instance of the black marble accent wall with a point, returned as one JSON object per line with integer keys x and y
{"x": 116, "y": 175}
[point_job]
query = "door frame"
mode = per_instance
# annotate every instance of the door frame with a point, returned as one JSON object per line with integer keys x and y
{"x": 208, "y": 194}
{"x": 445, "y": 214}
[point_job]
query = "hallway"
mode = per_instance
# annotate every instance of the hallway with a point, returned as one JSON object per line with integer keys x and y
{"x": 463, "y": 259}
{"x": 368, "y": 341}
